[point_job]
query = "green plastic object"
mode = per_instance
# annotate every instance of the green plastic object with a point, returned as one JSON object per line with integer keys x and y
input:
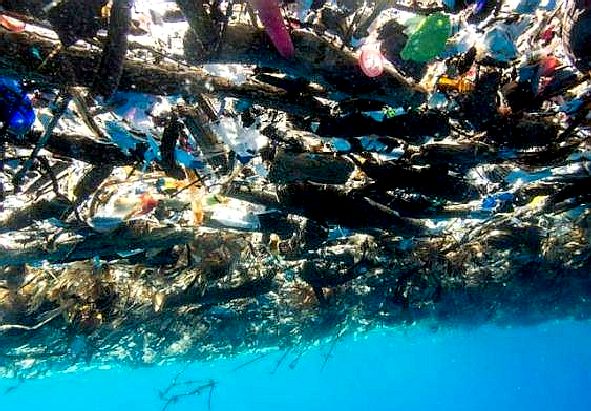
{"x": 429, "y": 38}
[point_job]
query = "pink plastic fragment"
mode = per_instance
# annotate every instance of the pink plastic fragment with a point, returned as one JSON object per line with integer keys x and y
{"x": 371, "y": 62}
{"x": 270, "y": 15}
{"x": 12, "y": 24}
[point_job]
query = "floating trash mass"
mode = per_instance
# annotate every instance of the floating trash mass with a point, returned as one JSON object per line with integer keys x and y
{"x": 183, "y": 180}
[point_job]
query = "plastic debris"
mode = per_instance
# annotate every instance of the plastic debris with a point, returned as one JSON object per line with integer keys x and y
{"x": 244, "y": 141}
{"x": 120, "y": 136}
{"x": 12, "y": 24}
{"x": 428, "y": 39}
{"x": 16, "y": 111}
{"x": 270, "y": 15}
{"x": 371, "y": 61}
{"x": 463, "y": 85}
{"x": 408, "y": 155}
{"x": 497, "y": 202}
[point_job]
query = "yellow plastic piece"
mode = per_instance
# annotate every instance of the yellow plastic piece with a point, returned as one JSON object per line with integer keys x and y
{"x": 462, "y": 85}
{"x": 537, "y": 202}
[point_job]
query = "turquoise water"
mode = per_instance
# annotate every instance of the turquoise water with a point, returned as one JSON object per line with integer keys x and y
{"x": 543, "y": 367}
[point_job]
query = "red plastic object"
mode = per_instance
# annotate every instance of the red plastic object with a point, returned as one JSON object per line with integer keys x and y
{"x": 148, "y": 203}
{"x": 371, "y": 62}
{"x": 12, "y": 24}
{"x": 548, "y": 66}
{"x": 548, "y": 34}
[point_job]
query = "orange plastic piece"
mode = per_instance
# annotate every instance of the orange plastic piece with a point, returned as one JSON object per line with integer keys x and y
{"x": 461, "y": 85}
{"x": 548, "y": 66}
{"x": 148, "y": 203}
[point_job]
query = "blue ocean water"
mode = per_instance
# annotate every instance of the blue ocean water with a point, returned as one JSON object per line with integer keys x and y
{"x": 542, "y": 367}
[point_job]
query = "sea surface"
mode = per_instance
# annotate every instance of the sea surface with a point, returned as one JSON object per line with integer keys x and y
{"x": 541, "y": 367}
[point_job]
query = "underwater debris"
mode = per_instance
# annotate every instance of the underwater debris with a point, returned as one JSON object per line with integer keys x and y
{"x": 247, "y": 363}
{"x": 281, "y": 359}
{"x": 329, "y": 354}
{"x": 157, "y": 205}
{"x": 178, "y": 390}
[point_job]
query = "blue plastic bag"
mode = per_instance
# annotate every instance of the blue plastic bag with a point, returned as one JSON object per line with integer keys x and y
{"x": 16, "y": 110}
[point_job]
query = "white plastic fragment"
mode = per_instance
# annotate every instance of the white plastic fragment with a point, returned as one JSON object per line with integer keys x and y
{"x": 245, "y": 142}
